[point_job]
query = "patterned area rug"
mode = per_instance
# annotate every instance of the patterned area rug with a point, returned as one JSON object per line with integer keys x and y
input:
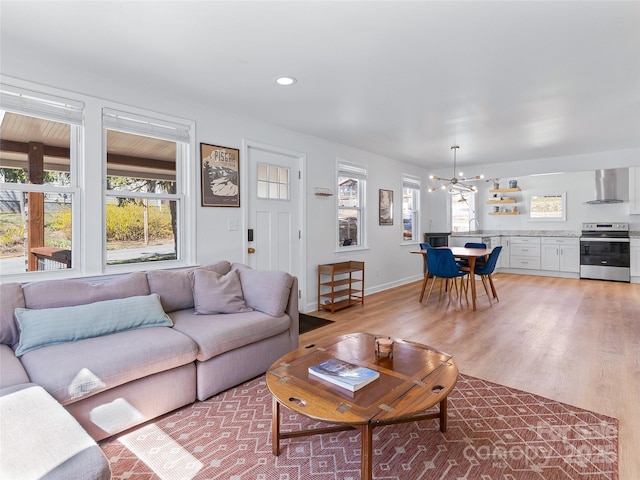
{"x": 494, "y": 432}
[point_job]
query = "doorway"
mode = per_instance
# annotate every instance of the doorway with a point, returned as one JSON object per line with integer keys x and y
{"x": 274, "y": 215}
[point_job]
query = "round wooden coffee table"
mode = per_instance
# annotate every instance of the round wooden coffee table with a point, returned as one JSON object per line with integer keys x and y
{"x": 413, "y": 380}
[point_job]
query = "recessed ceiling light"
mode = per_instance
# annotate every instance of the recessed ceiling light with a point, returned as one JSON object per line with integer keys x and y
{"x": 285, "y": 81}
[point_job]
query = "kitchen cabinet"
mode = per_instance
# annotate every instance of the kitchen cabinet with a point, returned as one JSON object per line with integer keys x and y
{"x": 634, "y": 190}
{"x": 560, "y": 254}
{"x": 525, "y": 253}
{"x": 635, "y": 257}
{"x": 505, "y": 255}
{"x": 340, "y": 285}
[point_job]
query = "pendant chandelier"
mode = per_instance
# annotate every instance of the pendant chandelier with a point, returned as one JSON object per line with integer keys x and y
{"x": 456, "y": 185}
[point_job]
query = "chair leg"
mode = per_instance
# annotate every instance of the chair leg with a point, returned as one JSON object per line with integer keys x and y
{"x": 466, "y": 290}
{"x": 424, "y": 286}
{"x": 455, "y": 285}
{"x": 432, "y": 283}
{"x": 446, "y": 285}
{"x": 486, "y": 289}
{"x": 493, "y": 288}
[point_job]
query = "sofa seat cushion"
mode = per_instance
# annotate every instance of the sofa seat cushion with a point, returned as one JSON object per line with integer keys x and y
{"x": 216, "y": 334}
{"x": 74, "y": 370}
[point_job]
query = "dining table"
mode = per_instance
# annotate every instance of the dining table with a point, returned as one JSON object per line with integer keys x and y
{"x": 471, "y": 255}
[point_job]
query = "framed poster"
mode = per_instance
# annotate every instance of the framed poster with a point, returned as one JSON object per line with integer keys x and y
{"x": 385, "y": 207}
{"x": 220, "y": 168}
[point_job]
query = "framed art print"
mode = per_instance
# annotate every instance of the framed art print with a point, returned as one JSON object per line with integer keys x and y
{"x": 385, "y": 207}
{"x": 220, "y": 169}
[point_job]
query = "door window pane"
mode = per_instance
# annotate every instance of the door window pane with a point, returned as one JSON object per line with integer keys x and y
{"x": 273, "y": 182}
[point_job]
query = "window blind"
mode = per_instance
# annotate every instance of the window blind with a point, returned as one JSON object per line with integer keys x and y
{"x": 151, "y": 127}
{"x": 36, "y": 104}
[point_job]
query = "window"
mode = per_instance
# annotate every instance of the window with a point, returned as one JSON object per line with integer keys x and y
{"x": 463, "y": 218}
{"x": 82, "y": 216}
{"x": 410, "y": 209}
{"x": 548, "y": 207}
{"x": 39, "y": 193}
{"x": 143, "y": 197}
{"x": 351, "y": 204}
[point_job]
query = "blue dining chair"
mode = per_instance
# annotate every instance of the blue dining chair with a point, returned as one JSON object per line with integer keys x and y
{"x": 463, "y": 262}
{"x": 442, "y": 264}
{"x": 486, "y": 269}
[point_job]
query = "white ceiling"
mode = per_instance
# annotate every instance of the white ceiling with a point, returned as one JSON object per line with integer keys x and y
{"x": 505, "y": 80}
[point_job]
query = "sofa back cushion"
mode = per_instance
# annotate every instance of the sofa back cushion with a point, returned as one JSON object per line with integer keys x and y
{"x": 175, "y": 286}
{"x": 49, "y": 326}
{"x": 266, "y": 290}
{"x": 67, "y": 293}
{"x": 10, "y": 298}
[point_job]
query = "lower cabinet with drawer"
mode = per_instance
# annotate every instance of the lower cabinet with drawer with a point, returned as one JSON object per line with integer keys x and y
{"x": 560, "y": 254}
{"x": 524, "y": 252}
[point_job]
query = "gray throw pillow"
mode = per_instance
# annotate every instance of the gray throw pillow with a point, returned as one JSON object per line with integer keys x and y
{"x": 215, "y": 293}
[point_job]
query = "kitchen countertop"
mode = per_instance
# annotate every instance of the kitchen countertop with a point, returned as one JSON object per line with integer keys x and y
{"x": 519, "y": 233}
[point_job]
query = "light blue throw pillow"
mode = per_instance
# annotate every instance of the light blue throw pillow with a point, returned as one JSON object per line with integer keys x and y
{"x": 49, "y": 326}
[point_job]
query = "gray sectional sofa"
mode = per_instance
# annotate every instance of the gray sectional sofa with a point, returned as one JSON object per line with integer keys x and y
{"x": 116, "y": 353}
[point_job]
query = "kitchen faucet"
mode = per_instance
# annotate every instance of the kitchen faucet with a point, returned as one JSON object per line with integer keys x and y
{"x": 474, "y": 219}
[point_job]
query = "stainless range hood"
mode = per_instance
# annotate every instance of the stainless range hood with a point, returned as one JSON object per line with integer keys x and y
{"x": 607, "y": 187}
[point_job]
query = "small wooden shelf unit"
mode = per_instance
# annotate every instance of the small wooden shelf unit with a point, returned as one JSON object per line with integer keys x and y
{"x": 341, "y": 283}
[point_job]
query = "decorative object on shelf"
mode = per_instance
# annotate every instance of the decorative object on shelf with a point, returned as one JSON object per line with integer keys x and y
{"x": 220, "y": 169}
{"x": 495, "y": 181}
{"x": 513, "y": 183}
{"x": 385, "y": 207}
{"x": 322, "y": 192}
{"x": 456, "y": 185}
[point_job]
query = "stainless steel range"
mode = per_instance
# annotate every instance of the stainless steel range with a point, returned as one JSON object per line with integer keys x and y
{"x": 605, "y": 251}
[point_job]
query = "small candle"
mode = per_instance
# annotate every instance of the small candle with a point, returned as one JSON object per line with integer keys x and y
{"x": 384, "y": 346}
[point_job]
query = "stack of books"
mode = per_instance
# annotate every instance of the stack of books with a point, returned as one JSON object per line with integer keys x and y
{"x": 344, "y": 374}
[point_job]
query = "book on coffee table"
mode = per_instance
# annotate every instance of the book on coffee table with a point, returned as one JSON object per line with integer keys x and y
{"x": 344, "y": 374}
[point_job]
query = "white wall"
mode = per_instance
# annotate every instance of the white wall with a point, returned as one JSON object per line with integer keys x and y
{"x": 388, "y": 263}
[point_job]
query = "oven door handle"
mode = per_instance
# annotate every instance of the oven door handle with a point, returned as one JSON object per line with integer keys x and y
{"x": 608, "y": 240}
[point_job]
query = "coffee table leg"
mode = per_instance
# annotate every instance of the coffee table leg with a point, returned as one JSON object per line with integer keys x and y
{"x": 443, "y": 415}
{"x": 275, "y": 427}
{"x": 366, "y": 446}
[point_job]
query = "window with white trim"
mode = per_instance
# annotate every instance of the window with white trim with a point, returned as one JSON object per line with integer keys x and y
{"x": 62, "y": 211}
{"x": 410, "y": 208}
{"x": 463, "y": 218}
{"x": 144, "y": 203}
{"x": 39, "y": 192}
{"x": 351, "y": 187}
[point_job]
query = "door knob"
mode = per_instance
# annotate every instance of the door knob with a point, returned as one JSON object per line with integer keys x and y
{"x": 251, "y": 250}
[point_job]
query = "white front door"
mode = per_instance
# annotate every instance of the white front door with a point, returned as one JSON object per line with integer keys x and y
{"x": 275, "y": 210}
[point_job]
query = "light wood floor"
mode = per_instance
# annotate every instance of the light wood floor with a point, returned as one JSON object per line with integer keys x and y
{"x": 574, "y": 341}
